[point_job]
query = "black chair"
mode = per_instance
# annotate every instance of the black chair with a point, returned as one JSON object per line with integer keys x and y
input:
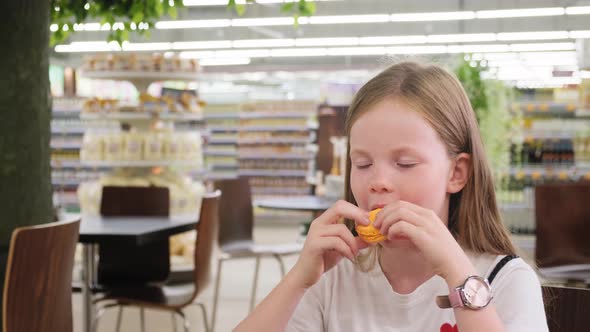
{"x": 567, "y": 308}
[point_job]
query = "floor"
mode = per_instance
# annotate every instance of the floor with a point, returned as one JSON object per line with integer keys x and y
{"x": 236, "y": 283}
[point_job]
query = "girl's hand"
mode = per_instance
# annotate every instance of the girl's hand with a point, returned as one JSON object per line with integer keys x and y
{"x": 328, "y": 241}
{"x": 424, "y": 229}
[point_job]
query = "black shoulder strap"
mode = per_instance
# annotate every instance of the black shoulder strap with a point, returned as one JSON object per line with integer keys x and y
{"x": 499, "y": 266}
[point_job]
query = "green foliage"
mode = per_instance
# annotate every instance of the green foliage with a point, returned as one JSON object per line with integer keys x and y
{"x": 297, "y": 8}
{"x": 490, "y": 100}
{"x": 131, "y": 13}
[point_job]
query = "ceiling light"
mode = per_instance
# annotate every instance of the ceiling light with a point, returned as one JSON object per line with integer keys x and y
{"x": 580, "y": 34}
{"x": 528, "y": 12}
{"x": 542, "y": 47}
{"x": 266, "y": 21}
{"x": 478, "y": 48}
{"x": 344, "y": 19}
{"x": 341, "y": 41}
{"x": 392, "y": 40}
{"x": 343, "y": 51}
{"x": 258, "y": 53}
{"x": 90, "y": 46}
{"x": 417, "y": 50}
{"x": 536, "y": 35}
{"x": 147, "y": 46}
{"x": 244, "y": 43}
{"x": 581, "y": 10}
{"x": 462, "y": 38}
{"x": 298, "y": 52}
{"x": 440, "y": 16}
{"x": 201, "y": 45}
{"x": 224, "y": 62}
{"x": 188, "y": 24}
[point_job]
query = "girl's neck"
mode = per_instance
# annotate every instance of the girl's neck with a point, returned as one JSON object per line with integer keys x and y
{"x": 404, "y": 268}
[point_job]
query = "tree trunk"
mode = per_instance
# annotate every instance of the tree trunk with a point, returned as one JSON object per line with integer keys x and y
{"x": 25, "y": 182}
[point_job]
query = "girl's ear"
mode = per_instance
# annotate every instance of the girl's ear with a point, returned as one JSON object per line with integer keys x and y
{"x": 459, "y": 173}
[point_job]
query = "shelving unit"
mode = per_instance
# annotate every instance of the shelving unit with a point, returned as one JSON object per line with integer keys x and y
{"x": 555, "y": 147}
{"x": 221, "y": 153}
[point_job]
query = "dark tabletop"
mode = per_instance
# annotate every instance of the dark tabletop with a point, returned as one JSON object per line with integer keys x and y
{"x": 298, "y": 203}
{"x": 139, "y": 230}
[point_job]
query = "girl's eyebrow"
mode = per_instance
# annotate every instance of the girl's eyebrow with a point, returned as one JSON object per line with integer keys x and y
{"x": 399, "y": 150}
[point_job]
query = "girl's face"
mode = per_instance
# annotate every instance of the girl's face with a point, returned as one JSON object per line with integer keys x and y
{"x": 396, "y": 155}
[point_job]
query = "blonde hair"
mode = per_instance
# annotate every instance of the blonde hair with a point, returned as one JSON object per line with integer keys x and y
{"x": 474, "y": 218}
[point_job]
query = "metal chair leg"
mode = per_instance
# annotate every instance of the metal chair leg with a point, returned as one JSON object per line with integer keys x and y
{"x": 142, "y": 318}
{"x": 119, "y": 318}
{"x": 173, "y": 322}
{"x": 184, "y": 320}
{"x": 255, "y": 285}
{"x": 216, "y": 294}
{"x": 99, "y": 313}
{"x": 204, "y": 311}
{"x": 281, "y": 264}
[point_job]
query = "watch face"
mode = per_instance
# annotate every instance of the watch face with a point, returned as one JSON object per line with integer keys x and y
{"x": 477, "y": 292}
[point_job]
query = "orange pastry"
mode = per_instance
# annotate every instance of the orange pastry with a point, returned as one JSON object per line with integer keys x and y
{"x": 369, "y": 233}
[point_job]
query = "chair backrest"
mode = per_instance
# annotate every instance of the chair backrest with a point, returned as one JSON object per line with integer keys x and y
{"x": 567, "y": 308}
{"x": 38, "y": 284}
{"x": 562, "y": 224}
{"x": 129, "y": 263}
{"x": 235, "y": 211}
{"x": 206, "y": 241}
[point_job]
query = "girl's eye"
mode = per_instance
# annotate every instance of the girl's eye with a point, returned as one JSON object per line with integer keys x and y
{"x": 406, "y": 165}
{"x": 363, "y": 166}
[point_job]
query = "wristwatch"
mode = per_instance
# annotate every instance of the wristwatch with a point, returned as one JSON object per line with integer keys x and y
{"x": 475, "y": 293}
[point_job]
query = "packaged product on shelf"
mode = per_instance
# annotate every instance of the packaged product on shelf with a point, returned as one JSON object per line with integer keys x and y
{"x": 191, "y": 103}
{"x": 172, "y": 146}
{"x": 133, "y": 149}
{"x": 149, "y": 103}
{"x": 89, "y": 196}
{"x": 191, "y": 146}
{"x": 152, "y": 147}
{"x": 113, "y": 146}
{"x": 92, "y": 147}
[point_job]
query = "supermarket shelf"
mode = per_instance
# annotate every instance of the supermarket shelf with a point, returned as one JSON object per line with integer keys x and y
{"x": 514, "y": 206}
{"x": 141, "y": 75}
{"x": 269, "y": 172}
{"x": 66, "y": 146}
{"x": 65, "y": 113}
{"x": 216, "y": 128}
{"x": 220, "y": 153}
{"x": 216, "y": 165}
{"x": 275, "y": 140}
{"x": 142, "y": 116}
{"x": 275, "y": 128}
{"x": 66, "y": 164}
{"x": 221, "y": 175}
{"x": 221, "y": 115}
{"x": 222, "y": 140}
{"x": 294, "y": 156}
{"x": 66, "y": 130}
{"x": 142, "y": 163}
{"x": 280, "y": 115}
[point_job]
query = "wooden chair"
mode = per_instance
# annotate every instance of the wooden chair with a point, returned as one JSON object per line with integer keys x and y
{"x": 37, "y": 288}
{"x": 236, "y": 235}
{"x": 567, "y": 308}
{"x": 176, "y": 297}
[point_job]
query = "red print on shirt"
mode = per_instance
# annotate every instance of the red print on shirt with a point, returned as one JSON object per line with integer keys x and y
{"x": 446, "y": 327}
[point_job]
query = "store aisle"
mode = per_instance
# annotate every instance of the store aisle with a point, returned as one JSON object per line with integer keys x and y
{"x": 234, "y": 296}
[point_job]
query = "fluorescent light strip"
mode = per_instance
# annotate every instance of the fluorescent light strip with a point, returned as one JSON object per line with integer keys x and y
{"x": 225, "y": 62}
{"x": 528, "y": 12}
{"x": 345, "y": 19}
{"x": 201, "y": 45}
{"x": 462, "y": 38}
{"x": 537, "y": 35}
{"x": 266, "y": 21}
{"x": 580, "y": 34}
{"x": 543, "y": 47}
{"x": 194, "y": 3}
{"x": 191, "y": 24}
{"x": 392, "y": 40}
{"x": 341, "y": 41}
{"x": 439, "y": 16}
{"x": 248, "y": 43}
{"x": 580, "y": 10}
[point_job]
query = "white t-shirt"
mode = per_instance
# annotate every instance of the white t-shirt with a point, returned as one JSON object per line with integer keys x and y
{"x": 347, "y": 299}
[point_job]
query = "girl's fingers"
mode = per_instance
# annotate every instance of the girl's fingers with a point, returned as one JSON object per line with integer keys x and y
{"x": 341, "y": 231}
{"x": 336, "y": 244}
{"x": 343, "y": 209}
{"x": 391, "y": 217}
{"x": 405, "y": 229}
{"x": 400, "y": 205}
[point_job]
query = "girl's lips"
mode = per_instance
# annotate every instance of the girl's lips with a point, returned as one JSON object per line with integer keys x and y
{"x": 377, "y": 206}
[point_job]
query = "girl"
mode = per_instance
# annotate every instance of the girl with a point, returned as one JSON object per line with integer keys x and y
{"x": 415, "y": 152}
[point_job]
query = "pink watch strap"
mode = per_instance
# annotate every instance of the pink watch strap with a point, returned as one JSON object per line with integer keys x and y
{"x": 455, "y": 299}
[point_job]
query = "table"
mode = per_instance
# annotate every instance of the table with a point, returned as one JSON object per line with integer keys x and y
{"x": 315, "y": 204}
{"x": 96, "y": 230}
